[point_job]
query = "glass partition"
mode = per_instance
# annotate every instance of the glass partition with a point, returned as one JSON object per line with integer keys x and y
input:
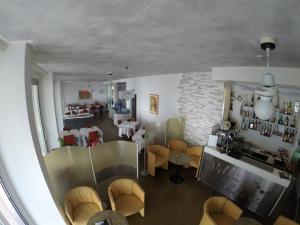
{"x": 113, "y": 160}
{"x": 73, "y": 166}
{"x": 67, "y": 168}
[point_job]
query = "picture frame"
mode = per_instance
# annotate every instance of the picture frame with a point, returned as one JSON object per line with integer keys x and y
{"x": 84, "y": 94}
{"x": 153, "y": 103}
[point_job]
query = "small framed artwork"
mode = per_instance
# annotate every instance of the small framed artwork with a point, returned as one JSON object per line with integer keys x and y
{"x": 85, "y": 94}
{"x": 153, "y": 103}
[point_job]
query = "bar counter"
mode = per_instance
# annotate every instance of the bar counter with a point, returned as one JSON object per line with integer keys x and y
{"x": 246, "y": 181}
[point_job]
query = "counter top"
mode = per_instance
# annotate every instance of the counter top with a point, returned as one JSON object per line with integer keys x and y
{"x": 247, "y": 164}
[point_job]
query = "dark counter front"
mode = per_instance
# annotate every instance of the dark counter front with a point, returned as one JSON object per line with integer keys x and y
{"x": 245, "y": 188}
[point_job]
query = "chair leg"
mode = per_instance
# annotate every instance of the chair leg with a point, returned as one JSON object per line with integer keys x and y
{"x": 197, "y": 172}
{"x": 151, "y": 169}
{"x": 142, "y": 212}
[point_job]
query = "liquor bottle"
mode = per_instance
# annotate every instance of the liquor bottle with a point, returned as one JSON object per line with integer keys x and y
{"x": 262, "y": 129}
{"x": 276, "y": 129}
{"x": 280, "y": 121}
{"x": 293, "y": 122}
{"x": 270, "y": 131}
{"x": 266, "y": 130}
{"x": 289, "y": 108}
{"x": 286, "y": 108}
{"x": 258, "y": 125}
{"x": 255, "y": 125}
{"x": 286, "y": 121}
{"x": 285, "y": 135}
{"x": 277, "y": 103}
{"x": 291, "y": 138}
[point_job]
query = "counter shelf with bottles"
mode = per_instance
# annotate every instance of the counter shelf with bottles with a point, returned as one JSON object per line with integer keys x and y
{"x": 281, "y": 124}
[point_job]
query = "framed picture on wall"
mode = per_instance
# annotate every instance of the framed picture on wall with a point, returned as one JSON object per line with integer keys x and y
{"x": 85, "y": 94}
{"x": 153, "y": 103}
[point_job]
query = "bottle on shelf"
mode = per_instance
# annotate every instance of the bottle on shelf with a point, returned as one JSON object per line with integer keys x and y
{"x": 280, "y": 121}
{"x": 291, "y": 137}
{"x": 289, "y": 108}
{"x": 293, "y": 122}
{"x": 270, "y": 130}
{"x": 285, "y": 135}
{"x": 258, "y": 127}
{"x": 286, "y": 121}
{"x": 286, "y": 108}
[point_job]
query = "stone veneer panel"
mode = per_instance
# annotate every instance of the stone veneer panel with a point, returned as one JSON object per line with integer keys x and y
{"x": 200, "y": 103}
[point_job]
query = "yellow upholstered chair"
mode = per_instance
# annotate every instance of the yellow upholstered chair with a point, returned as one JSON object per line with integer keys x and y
{"x": 195, "y": 155}
{"x": 177, "y": 145}
{"x": 81, "y": 203}
{"x": 127, "y": 197}
{"x": 158, "y": 156}
{"x": 220, "y": 211}
{"x": 281, "y": 220}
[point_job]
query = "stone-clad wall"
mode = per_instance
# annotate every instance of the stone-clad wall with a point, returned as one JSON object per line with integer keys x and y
{"x": 200, "y": 103}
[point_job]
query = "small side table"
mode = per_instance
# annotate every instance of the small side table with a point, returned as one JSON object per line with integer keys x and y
{"x": 246, "y": 221}
{"x": 114, "y": 217}
{"x": 179, "y": 159}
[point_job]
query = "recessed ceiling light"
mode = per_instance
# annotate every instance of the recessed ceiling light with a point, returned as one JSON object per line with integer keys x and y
{"x": 259, "y": 56}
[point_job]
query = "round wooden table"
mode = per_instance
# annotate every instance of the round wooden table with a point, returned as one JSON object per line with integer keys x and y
{"x": 246, "y": 221}
{"x": 114, "y": 217}
{"x": 179, "y": 159}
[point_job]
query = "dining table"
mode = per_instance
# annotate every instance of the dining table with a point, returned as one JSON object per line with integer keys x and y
{"x": 85, "y": 134}
{"x": 128, "y": 128}
{"x": 179, "y": 159}
{"x": 74, "y": 132}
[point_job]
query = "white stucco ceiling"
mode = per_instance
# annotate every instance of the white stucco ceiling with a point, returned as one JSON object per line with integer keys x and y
{"x": 95, "y": 37}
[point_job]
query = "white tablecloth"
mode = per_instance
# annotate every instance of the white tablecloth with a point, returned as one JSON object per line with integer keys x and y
{"x": 76, "y": 134}
{"x": 85, "y": 134}
{"x": 120, "y": 116}
{"x": 128, "y": 128}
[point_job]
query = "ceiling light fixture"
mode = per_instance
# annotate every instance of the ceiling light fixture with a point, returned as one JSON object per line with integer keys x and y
{"x": 264, "y": 108}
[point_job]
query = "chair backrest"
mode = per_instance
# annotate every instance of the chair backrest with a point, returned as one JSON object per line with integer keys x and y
{"x": 121, "y": 187}
{"x": 69, "y": 140}
{"x": 93, "y": 136}
{"x": 281, "y": 220}
{"x": 158, "y": 150}
{"x": 80, "y": 195}
{"x": 196, "y": 150}
{"x": 214, "y": 205}
{"x": 177, "y": 145}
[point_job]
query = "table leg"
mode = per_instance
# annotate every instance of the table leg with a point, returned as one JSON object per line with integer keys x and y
{"x": 176, "y": 178}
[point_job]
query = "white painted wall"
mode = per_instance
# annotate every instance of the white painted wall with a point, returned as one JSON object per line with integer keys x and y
{"x": 166, "y": 86}
{"x": 20, "y": 155}
{"x": 283, "y": 75}
{"x": 71, "y": 88}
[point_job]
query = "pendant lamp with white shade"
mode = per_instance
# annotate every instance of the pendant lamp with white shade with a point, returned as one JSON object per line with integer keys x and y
{"x": 264, "y": 108}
